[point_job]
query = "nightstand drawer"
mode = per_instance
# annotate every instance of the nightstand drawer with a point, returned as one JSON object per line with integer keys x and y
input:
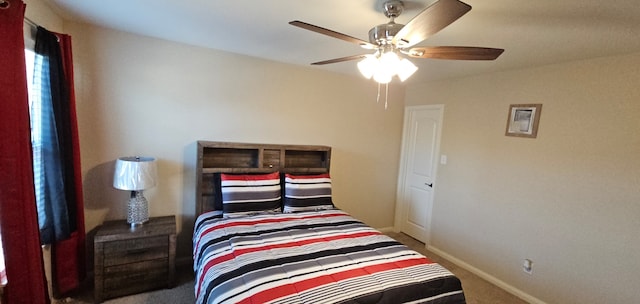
{"x": 125, "y": 279}
{"x": 135, "y": 250}
{"x": 147, "y": 270}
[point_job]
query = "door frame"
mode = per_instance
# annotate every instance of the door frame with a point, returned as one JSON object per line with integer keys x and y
{"x": 400, "y": 190}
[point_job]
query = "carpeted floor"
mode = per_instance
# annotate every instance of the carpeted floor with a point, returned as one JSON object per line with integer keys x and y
{"x": 477, "y": 290}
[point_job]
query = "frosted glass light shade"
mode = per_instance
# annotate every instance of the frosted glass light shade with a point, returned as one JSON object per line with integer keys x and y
{"x": 135, "y": 173}
{"x": 405, "y": 69}
{"x": 368, "y": 66}
{"x": 382, "y": 76}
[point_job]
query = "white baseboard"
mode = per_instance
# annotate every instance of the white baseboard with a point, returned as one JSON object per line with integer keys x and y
{"x": 495, "y": 281}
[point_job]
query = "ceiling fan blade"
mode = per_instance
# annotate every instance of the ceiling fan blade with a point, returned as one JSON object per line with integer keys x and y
{"x": 455, "y": 52}
{"x": 331, "y": 33}
{"x": 341, "y": 59}
{"x": 430, "y": 21}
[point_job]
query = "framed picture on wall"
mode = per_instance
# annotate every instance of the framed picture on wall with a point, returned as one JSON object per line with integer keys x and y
{"x": 523, "y": 120}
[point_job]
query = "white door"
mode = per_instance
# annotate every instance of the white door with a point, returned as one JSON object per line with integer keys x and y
{"x": 419, "y": 162}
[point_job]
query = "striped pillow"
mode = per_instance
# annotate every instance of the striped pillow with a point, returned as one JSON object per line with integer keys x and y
{"x": 249, "y": 194}
{"x": 307, "y": 193}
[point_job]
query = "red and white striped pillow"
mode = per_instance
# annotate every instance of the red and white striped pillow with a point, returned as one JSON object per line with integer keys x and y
{"x": 249, "y": 194}
{"x": 307, "y": 193}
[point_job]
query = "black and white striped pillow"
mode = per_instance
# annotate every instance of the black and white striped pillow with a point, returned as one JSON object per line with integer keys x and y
{"x": 249, "y": 194}
{"x": 307, "y": 193}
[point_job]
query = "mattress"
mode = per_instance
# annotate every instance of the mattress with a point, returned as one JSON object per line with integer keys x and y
{"x": 311, "y": 257}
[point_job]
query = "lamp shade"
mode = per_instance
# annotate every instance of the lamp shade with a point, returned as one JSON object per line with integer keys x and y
{"x": 135, "y": 173}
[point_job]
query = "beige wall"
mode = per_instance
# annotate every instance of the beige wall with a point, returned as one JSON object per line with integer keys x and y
{"x": 569, "y": 199}
{"x": 143, "y": 96}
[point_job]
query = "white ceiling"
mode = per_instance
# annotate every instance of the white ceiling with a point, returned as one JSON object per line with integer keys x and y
{"x": 533, "y": 33}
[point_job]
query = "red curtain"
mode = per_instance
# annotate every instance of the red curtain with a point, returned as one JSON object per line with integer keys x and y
{"x": 68, "y": 256}
{"x": 18, "y": 219}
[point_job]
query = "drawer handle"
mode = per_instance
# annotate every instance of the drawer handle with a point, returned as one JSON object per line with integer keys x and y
{"x": 137, "y": 277}
{"x": 137, "y": 251}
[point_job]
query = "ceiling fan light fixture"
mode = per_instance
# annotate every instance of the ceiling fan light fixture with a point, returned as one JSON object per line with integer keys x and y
{"x": 383, "y": 67}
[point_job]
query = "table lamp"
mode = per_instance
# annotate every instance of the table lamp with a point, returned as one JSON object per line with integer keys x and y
{"x": 135, "y": 173}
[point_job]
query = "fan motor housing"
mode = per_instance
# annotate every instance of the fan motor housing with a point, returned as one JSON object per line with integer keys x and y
{"x": 383, "y": 34}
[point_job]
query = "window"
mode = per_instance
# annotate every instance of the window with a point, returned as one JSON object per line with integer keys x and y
{"x": 33, "y": 85}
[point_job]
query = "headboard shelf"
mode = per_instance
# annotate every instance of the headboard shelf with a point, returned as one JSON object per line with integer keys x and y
{"x": 247, "y": 158}
{"x": 237, "y": 170}
{"x": 229, "y": 157}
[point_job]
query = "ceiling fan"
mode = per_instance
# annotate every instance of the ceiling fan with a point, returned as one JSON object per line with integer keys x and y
{"x": 391, "y": 39}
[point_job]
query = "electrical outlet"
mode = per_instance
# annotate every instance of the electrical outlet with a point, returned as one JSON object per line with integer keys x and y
{"x": 527, "y": 266}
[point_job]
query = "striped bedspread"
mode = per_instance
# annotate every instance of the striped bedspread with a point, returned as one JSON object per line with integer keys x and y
{"x": 311, "y": 257}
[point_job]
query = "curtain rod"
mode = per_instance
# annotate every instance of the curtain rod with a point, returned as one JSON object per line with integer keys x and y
{"x": 29, "y": 21}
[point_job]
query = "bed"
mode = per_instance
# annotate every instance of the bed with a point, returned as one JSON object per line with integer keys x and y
{"x": 270, "y": 233}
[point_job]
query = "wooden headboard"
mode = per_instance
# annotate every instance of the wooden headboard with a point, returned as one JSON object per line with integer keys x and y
{"x": 245, "y": 158}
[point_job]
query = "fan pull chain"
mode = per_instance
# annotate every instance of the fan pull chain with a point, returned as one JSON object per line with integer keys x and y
{"x": 386, "y": 97}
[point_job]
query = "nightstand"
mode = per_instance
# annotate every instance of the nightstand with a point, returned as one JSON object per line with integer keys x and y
{"x": 132, "y": 260}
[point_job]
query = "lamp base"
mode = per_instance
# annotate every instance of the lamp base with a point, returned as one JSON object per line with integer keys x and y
{"x": 137, "y": 209}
